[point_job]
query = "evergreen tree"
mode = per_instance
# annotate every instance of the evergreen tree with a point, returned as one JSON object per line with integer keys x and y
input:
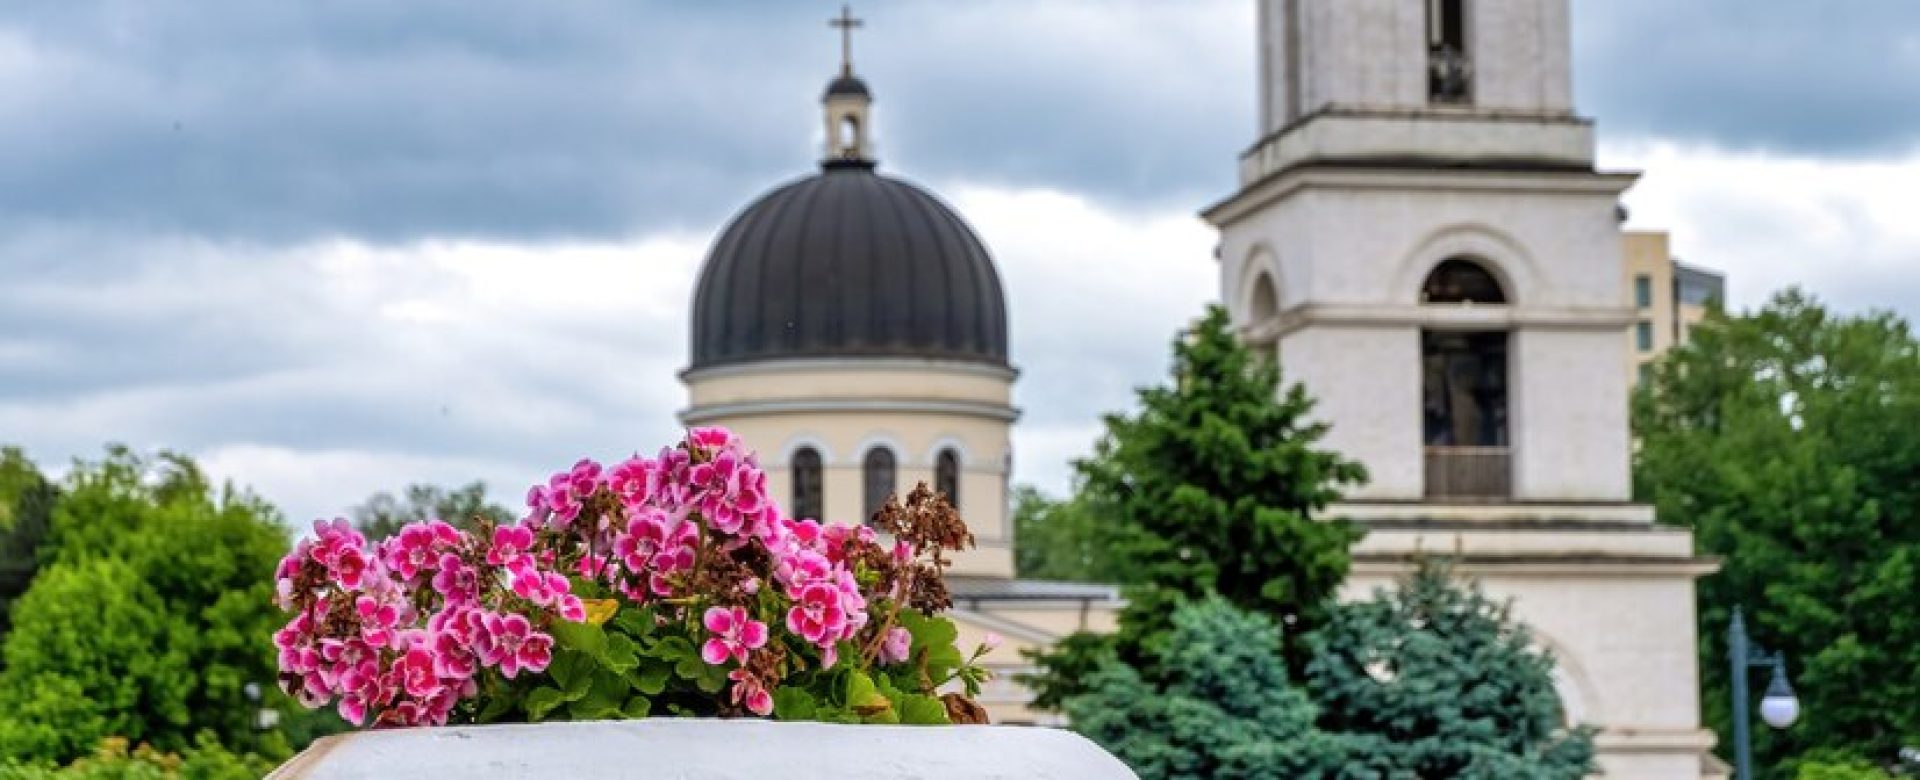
{"x": 1433, "y": 680}
{"x": 1789, "y": 440}
{"x": 1211, "y": 487}
{"x": 1224, "y": 710}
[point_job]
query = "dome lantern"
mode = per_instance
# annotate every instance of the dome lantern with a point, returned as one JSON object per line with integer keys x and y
{"x": 846, "y": 103}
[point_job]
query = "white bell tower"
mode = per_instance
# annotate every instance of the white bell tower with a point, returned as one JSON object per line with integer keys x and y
{"x": 1420, "y": 237}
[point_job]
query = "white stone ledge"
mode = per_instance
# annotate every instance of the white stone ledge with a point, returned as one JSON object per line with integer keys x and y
{"x": 705, "y": 749}
{"x": 1467, "y": 137}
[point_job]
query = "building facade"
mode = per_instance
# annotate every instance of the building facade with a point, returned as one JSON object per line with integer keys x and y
{"x": 1669, "y": 296}
{"x": 852, "y": 328}
{"x": 1421, "y": 238}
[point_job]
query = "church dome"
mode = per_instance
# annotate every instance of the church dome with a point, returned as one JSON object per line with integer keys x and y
{"x": 848, "y": 263}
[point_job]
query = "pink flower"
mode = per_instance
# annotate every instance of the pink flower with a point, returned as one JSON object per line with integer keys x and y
{"x": 710, "y": 438}
{"x": 456, "y": 581}
{"x": 734, "y": 634}
{"x": 991, "y": 641}
{"x": 895, "y": 647}
{"x": 512, "y": 644}
{"x": 379, "y": 619}
{"x": 750, "y": 692}
{"x": 571, "y": 608}
{"x": 817, "y": 614}
{"x": 510, "y": 544}
{"x": 632, "y": 481}
{"x": 417, "y": 675}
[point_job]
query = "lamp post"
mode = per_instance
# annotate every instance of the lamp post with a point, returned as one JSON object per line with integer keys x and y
{"x": 1778, "y": 707}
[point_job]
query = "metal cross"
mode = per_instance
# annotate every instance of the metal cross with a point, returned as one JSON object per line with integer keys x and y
{"x": 846, "y": 23}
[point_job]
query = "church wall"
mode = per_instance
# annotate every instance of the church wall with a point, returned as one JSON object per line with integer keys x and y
{"x": 1372, "y": 55}
{"x": 1623, "y": 642}
{"x": 890, "y": 378}
{"x": 843, "y": 439}
{"x": 1368, "y": 380}
{"x": 1570, "y": 416}
{"x": 1522, "y": 55}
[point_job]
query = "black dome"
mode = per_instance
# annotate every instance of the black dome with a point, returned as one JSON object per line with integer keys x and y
{"x": 847, "y": 85}
{"x": 848, "y": 263}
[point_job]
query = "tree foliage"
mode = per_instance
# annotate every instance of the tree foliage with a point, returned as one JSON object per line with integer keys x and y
{"x": 148, "y": 621}
{"x": 1434, "y": 680}
{"x": 464, "y": 507}
{"x": 1787, "y": 439}
{"x": 113, "y": 759}
{"x": 1211, "y": 487}
{"x": 1060, "y": 540}
{"x": 26, "y": 506}
{"x": 1224, "y": 710}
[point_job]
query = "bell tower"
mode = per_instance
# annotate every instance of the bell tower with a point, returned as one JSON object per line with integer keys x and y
{"x": 1420, "y": 237}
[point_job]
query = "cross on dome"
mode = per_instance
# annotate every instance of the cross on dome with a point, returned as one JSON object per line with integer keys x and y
{"x": 846, "y": 22}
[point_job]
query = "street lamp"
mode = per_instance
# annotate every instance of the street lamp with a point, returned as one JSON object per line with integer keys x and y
{"x": 1779, "y": 708}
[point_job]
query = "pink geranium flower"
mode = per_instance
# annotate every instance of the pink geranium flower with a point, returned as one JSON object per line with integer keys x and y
{"x": 510, "y": 544}
{"x": 511, "y": 643}
{"x": 895, "y": 647}
{"x": 734, "y": 634}
{"x": 749, "y": 692}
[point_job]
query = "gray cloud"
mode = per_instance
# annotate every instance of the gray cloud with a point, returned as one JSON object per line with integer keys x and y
{"x": 603, "y": 118}
{"x": 1804, "y": 77}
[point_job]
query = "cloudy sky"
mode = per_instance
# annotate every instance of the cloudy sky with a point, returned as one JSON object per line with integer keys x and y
{"x": 331, "y": 248}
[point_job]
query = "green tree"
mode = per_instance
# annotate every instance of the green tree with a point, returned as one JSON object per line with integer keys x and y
{"x": 26, "y": 506}
{"x": 384, "y": 514}
{"x": 1434, "y": 680}
{"x": 113, "y": 760}
{"x": 150, "y": 618}
{"x": 1839, "y": 770}
{"x": 1787, "y": 439}
{"x": 1224, "y": 710}
{"x": 1059, "y": 540}
{"x": 1212, "y": 486}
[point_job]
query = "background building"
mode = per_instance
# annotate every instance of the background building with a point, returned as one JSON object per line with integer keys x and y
{"x": 852, "y": 326}
{"x": 1670, "y": 297}
{"x": 1421, "y": 238}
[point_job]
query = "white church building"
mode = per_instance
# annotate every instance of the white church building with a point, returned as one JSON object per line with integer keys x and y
{"x": 1421, "y": 238}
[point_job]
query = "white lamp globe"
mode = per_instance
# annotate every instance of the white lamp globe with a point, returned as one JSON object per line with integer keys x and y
{"x": 1780, "y": 711}
{"x": 1779, "y": 708}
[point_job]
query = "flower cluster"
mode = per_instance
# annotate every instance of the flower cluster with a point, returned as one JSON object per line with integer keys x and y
{"x": 403, "y": 628}
{"x": 409, "y": 630}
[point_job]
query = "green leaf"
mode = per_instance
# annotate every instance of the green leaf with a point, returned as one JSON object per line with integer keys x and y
{"x": 542, "y": 701}
{"x": 572, "y": 670}
{"x": 636, "y": 623}
{"x": 603, "y": 699}
{"x": 791, "y": 703}
{"x": 651, "y": 679}
{"x": 865, "y": 699}
{"x": 921, "y": 710}
{"x": 637, "y": 707}
{"x": 622, "y": 654}
{"x": 587, "y": 638}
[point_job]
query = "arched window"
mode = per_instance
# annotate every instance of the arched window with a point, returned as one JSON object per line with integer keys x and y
{"x": 809, "y": 498}
{"x": 1266, "y": 302}
{"x": 849, "y": 134}
{"x": 1459, "y": 280}
{"x": 877, "y": 474}
{"x": 946, "y": 476}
